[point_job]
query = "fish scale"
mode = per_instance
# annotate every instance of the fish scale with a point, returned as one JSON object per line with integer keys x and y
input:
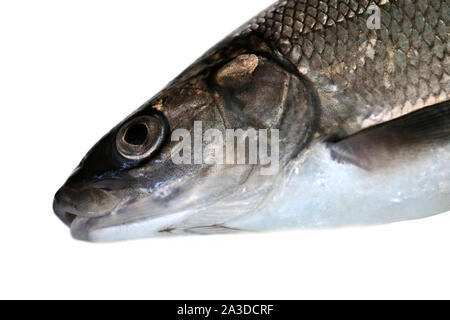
{"x": 363, "y": 77}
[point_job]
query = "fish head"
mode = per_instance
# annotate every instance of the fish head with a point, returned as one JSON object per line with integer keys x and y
{"x": 131, "y": 186}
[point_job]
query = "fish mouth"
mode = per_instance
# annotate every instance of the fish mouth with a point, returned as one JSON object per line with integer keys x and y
{"x": 81, "y": 228}
{"x": 80, "y": 225}
{"x": 62, "y": 211}
{"x": 96, "y": 215}
{"x": 66, "y": 208}
{"x": 102, "y": 226}
{"x": 68, "y": 218}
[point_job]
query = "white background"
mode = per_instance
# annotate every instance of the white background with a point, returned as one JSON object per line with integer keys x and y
{"x": 69, "y": 71}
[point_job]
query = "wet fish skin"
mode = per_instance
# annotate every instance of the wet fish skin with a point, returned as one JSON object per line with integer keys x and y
{"x": 385, "y": 73}
{"x": 309, "y": 68}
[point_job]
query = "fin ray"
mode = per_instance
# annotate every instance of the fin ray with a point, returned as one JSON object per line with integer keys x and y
{"x": 377, "y": 146}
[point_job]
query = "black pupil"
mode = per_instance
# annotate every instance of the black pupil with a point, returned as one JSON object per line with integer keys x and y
{"x": 136, "y": 134}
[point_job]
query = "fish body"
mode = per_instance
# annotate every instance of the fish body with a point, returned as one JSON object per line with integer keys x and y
{"x": 357, "y": 118}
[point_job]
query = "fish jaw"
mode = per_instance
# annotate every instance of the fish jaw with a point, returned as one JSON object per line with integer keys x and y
{"x": 200, "y": 204}
{"x": 84, "y": 229}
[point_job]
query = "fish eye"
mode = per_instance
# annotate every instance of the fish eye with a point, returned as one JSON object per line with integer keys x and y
{"x": 140, "y": 137}
{"x": 136, "y": 134}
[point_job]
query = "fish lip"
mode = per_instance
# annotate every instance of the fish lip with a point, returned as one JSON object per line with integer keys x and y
{"x": 61, "y": 211}
{"x": 93, "y": 229}
{"x": 67, "y": 213}
{"x": 88, "y": 230}
{"x": 79, "y": 229}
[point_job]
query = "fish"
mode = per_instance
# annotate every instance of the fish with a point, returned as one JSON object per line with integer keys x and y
{"x": 339, "y": 109}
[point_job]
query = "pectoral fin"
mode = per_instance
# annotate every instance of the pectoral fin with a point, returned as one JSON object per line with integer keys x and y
{"x": 396, "y": 140}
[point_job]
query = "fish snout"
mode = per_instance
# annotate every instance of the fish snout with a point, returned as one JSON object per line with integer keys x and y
{"x": 70, "y": 204}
